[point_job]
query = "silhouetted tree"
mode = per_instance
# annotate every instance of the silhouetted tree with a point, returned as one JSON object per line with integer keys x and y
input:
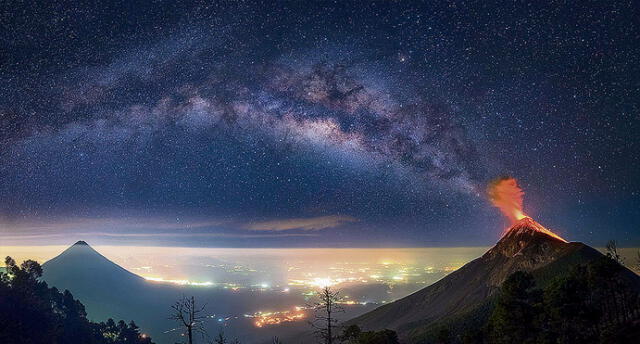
{"x": 593, "y": 303}
{"x": 190, "y": 317}
{"x": 570, "y": 315}
{"x": 27, "y": 305}
{"x": 350, "y": 334}
{"x": 516, "y": 317}
{"x": 220, "y": 338}
{"x": 324, "y": 321}
{"x": 121, "y": 333}
{"x": 353, "y": 335}
{"x": 612, "y": 252}
{"x": 379, "y": 337}
{"x": 31, "y": 312}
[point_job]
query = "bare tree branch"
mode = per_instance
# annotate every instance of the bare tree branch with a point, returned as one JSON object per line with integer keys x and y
{"x": 324, "y": 322}
{"x": 189, "y": 317}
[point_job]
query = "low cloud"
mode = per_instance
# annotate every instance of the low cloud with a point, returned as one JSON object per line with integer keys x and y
{"x": 307, "y": 224}
{"x": 37, "y": 226}
{"x": 84, "y": 235}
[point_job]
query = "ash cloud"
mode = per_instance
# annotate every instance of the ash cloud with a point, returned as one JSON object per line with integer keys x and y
{"x": 506, "y": 195}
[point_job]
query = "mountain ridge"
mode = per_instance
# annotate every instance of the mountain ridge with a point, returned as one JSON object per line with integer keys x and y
{"x": 527, "y": 246}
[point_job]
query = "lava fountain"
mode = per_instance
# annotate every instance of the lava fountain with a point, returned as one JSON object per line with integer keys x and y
{"x": 505, "y": 194}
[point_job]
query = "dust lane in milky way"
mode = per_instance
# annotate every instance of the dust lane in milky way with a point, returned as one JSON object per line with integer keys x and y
{"x": 242, "y": 124}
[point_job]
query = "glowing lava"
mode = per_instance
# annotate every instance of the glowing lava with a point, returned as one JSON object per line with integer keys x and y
{"x": 506, "y": 195}
{"x": 528, "y": 223}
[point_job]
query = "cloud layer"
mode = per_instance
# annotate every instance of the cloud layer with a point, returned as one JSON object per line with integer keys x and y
{"x": 306, "y": 224}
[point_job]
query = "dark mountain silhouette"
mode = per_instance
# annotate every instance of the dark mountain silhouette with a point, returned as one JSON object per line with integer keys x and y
{"x": 83, "y": 261}
{"x": 95, "y": 280}
{"x": 527, "y": 246}
{"x": 109, "y": 291}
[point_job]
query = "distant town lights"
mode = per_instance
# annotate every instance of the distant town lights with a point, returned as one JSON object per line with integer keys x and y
{"x": 322, "y": 282}
{"x": 179, "y": 282}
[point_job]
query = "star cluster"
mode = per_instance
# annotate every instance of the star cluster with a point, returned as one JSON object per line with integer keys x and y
{"x": 382, "y": 121}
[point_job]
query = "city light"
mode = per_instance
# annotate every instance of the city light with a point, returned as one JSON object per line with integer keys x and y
{"x": 275, "y": 318}
{"x": 179, "y": 282}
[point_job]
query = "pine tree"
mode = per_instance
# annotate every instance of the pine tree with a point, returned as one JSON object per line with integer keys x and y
{"x": 516, "y": 317}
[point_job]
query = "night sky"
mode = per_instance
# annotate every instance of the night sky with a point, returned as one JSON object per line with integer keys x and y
{"x": 316, "y": 123}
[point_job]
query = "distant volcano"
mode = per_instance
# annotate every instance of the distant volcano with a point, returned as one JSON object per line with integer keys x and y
{"x": 526, "y": 246}
{"x": 109, "y": 291}
{"x": 94, "y": 280}
{"x": 81, "y": 262}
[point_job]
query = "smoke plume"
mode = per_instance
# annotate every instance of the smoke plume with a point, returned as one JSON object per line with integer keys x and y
{"x": 506, "y": 195}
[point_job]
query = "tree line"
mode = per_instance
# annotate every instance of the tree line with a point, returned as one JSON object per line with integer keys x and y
{"x": 33, "y": 312}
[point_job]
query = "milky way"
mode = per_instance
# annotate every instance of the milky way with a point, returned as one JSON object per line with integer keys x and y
{"x": 393, "y": 116}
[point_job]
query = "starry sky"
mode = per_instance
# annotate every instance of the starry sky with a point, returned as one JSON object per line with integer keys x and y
{"x": 308, "y": 123}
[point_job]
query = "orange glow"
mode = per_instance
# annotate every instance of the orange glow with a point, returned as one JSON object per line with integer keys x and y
{"x": 179, "y": 282}
{"x": 506, "y": 195}
{"x": 530, "y": 223}
{"x": 276, "y": 318}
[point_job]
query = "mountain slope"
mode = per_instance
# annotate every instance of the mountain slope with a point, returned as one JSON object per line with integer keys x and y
{"x": 83, "y": 261}
{"x": 109, "y": 291}
{"x": 527, "y": 246}
{"x": 95, "y": 280}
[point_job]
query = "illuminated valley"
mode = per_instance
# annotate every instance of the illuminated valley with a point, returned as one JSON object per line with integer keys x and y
{"x": 282, "y": 283}
{"x": 369, "y": 277}
{"x": 365, "y": 277}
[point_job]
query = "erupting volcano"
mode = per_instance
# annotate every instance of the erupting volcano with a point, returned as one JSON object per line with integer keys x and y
{"x": 506, "y": 195}
{"x": 468, "y": 292}
{"x": 527, "y": 223}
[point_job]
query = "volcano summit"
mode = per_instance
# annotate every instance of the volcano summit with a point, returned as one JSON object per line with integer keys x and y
{"x": 468, "y": 292}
